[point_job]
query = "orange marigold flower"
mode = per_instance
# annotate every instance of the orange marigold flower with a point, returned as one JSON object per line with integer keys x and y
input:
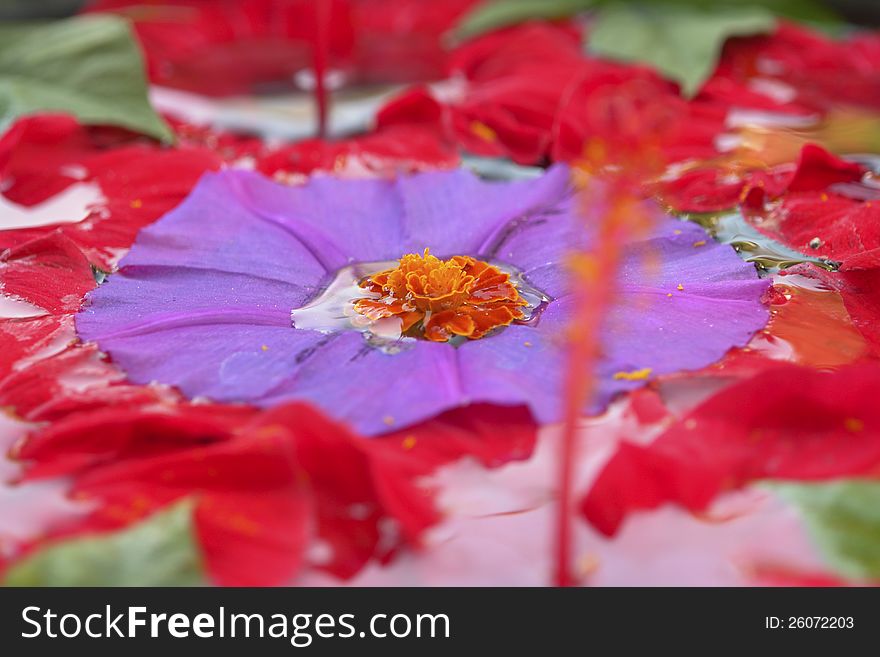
{"x": 440, "y": 299}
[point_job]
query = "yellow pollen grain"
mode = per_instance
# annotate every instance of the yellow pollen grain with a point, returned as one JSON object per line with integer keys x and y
{"x": 270, "y": 431}
{"x": 265, "y": 348}
{"x": 823, "y": 196}
{"x": 679, "y": 287}
{"x": 669, "y": 294}
{"x": 409, "y": 442}
{"x": 853, "y": 424}
{"x": 587, "y": 564}
{"x": 483, "y": 131}
{"x": 700, "y": 243}
{"x": 388, "y": 419}
{"x": 635, "y": 375}
{"x": 527, "y": 344}
{"x": 676, "y": 232}
{"x": 136, "y": 203}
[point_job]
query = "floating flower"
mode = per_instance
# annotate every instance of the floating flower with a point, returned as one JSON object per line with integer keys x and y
{"x": 247, "y": 292}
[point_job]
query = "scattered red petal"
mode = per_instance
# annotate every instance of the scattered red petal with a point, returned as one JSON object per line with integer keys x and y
{"x": 43, "y": 155}
{"x": 228, "y": 47}
{"x": 74, "y": 379}
{"x": 49, "y": 272}
{"x": 788, "y": 422}
{"x": 388, "y": 152}
{"x": 273, "y": 489}
{"x": 860, "y": 291}
{"x": 494, "y": 435}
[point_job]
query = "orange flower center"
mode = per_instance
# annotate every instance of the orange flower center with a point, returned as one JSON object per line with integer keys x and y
{"x": 440, "y": 299}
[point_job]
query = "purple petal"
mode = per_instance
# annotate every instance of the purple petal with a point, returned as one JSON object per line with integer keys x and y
{"x": 341, "y": 221}
{"x": 373, "y": 391}
{"x": 450, "y": 212}
{"x": 455, "y": 213}
{"x": 212, "y": 231}
{"x": 221, "y": 360}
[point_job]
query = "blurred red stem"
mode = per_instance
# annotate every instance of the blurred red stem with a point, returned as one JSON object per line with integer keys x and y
{"x": 319, "y": 62}
{"x": 595, "y": 293}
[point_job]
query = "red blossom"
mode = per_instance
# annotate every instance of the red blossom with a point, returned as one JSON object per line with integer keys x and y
{"x": 402, "y": 40}
{"x": 530, "y": 93}
{"x": 788, "y": 422}
{"x": 628, "y": 111}
{"x": 223, "y": 47}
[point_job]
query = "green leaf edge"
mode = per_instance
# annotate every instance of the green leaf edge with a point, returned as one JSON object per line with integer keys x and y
{"x": 849, "y": 544}
{"x": 168, "y": 533}
{"x": 155, "y": 126}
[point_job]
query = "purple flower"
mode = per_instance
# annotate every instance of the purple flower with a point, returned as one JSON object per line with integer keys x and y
{"x": 203, "y": 300}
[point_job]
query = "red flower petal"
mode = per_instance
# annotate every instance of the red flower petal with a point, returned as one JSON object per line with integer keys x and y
{"x": 52, "y": 274}
{"x": 116, "y": 434}
{"x": 72, "y": 380}
{"x": 230, "y": 47}
{"x": 786, "y": 423}
{"x": 397, "y": 149}
{"x": 43, "y": 155}
{"x": 49, "y": 272}
{"x": 715, "y": 189}
{"x": 494, "y": 435}
{"x": 252, "y": 508}
{"x": 860, "y": 291}
{"x": 274, "y": 489}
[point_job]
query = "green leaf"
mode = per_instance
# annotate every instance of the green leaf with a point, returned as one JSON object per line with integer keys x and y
{"x": 843, "y": 517}
{"x": 159, "y": 551}
{"x": 493, "y": 14}
{"x": 683, "y": 43}
{"x": 88, "y": 66}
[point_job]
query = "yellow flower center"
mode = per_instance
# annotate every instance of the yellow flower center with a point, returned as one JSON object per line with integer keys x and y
{"x": 440, "y": 299}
